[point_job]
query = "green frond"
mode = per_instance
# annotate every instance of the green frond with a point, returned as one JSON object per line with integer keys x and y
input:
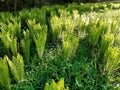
{"x": 17, "y": 67}
{"x": 39, "y": 35}
{"x": 55, "y": 86}
{"x": 18, "y": 62}
{"x": 56, "y": 28}
{"x": 112, "y": 59}
{"x": 13, "y": 45}
{"x": 26, "y": 45}
{"x": 106, "y": 41}
{"x": 4, "y": 74}
{"x": 13, "y": 69}
{"x": 95, "y": 33}
{"x": 69, "y": 45}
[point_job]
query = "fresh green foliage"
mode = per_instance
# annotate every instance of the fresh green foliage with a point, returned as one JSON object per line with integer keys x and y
{"x": 17, "y": 67}
{"x": 107, "y": 40}
{"x": 56, "y": 28}
{"x": 112, "y": 59}
{"x": 95, "y": 33}
{"x": 13, "y": 45}
{"x": 55, "y": 86}
{"x": 10, "y": 42}
{"x": 4, "y": 74}
{"x": 10, "y": 33}
{"x": 69, "y": 45}
{"x": 36, "y": 13}
{"x": 79, "y": 42}
{"x": 39, "y": 35}
{"x": 117, "y": 39}
{"x": 66, "y": 23}
{"x": 26, "y": 45}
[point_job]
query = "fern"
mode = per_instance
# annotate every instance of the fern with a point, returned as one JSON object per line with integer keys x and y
{"x": 14, "y": 26}
{"x": 9, "y": 38}
{"x": 55, "y": 86}
{"x": 13, "y": 69}
{"x": 76, "y": 17}
{"x": 117, "y": 40}
{"x": 26, "y": 45}
{"x": 56, "y": 28}
{"x": 17, "y": 67}
{"x": 95, "y": 33}
{"x": 70, "y": 44}
{"x": 107, "y": 40}
{"x": 114, "y": 26}
{"x": 39, "y": 35}
{"x": 31, "y": 24}
{"x": 66, "y": 23}
{"x": 112, "y": 59}
{"x": 4, "y": 74}
{"x": 13, "y": 45}
{"x": 5, "y": 39}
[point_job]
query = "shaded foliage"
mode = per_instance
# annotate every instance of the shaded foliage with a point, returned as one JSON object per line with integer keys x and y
{"x": 13, "y": 5}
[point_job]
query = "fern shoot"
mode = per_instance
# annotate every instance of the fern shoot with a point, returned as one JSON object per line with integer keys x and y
{"x": 26, "y": 45}
{"x": 4, "y": 74}
{"x": 55, "y": 86}
{"x": 17, "y": 67}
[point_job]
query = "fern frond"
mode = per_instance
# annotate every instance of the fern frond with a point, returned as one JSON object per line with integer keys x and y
{"x": 55, "y": 86}
{"x": 18, "y": 62}
{"x": 4, "y": 74}
{"x": 13, "y": 45}
{"x": 13, "y": 69}
{"x": 112, "y": 59}
{"x": 26, "y": 45}
{"x": 39, "y": 35}
{"x": 106, "y": 41}
{"x": 69, "y": 45}
{"x": 17, "y": 67}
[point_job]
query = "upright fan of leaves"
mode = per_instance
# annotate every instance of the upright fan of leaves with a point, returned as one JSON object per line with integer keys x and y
{"x": 68, "y": 24}
{"x": 13, "y": 45}
{"x": 63, "y": 23}
{"x": 114, "y": 26}
{"x": 56, "y": 28}
{"x": 70, "y": 44}
{"x": 5, "y": 39}
{"x": 76, "y": 17}
{"x": 117, "y": 40}
{"x": 17, "y": 67}
{"x": 15, "y": 26}
{"x": 39, "y": 35}
{"x": 106, "y": 41}
{"x": 95, "y": 33}
{"x": 18, "y": 62}
{"x": 112, "y": 59}
{"x": 26, "y": 45}
{"x": 31, "y": 24}
{"x": 55, "y": 86}
{"x": 4, "y": 74}
{"x": 10, "y": 42}
{"x": 9, "y": 38}
{"x": 13, "y": 69}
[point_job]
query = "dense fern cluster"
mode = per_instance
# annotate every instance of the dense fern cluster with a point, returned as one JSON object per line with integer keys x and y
{"x": 78, "y": 44}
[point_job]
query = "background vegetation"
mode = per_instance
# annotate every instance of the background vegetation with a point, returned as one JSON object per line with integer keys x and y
{"x": 13, "y": 5}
